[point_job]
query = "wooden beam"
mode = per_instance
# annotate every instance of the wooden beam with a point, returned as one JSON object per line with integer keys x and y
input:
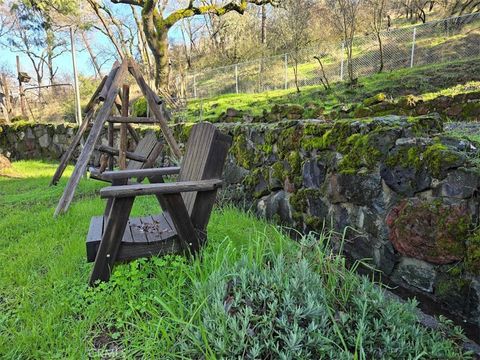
{"x": 115, "y": 152}
{"x": 133, "y": 133}
{"x": 89, "y": 146}
{"x": 166, "y": 188}
{"x": 94, "y": 98}
{"x": 132, "y": 119}
{"x": 127, "y": 174}
{"x": 110, "y": 138}
{"x": 108, "y": 82}
{"x": 71, "y": 148}
{"x": 155, "y": 109}
{"x": 89, "y": 112}
{"x": 122, "y": 156}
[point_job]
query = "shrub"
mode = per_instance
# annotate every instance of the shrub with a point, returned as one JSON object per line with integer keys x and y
{"x": 139, "y": 107}
{"x": 286, "y": 309}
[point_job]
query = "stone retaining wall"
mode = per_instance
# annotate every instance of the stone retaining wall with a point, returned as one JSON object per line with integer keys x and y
{"x": 405, "y": 194}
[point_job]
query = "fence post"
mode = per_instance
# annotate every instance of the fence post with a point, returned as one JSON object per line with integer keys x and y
{"x": 195, "y": 86}
{"x": 20, "y": 90}
{"x": 236, "y": 78}
{"x": 78, "y": 109}
{"x": 286, "y": 71}
{"x": 342, "y": 60}
{"x": 413, "y": 46}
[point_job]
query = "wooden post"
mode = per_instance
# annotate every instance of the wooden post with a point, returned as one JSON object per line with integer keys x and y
{"x": 122, "y": 159}
{"x": 110, "y": 136}
{"x": 342, "y": 61}
{"x": 6, "y": 90}
{"x": 20, "y": 90}
{"x": 71, "y": 148}
{"x": 236, "y": 78}
{"x": 78, "y": 110}
{"x": 156, "y": 110}
{"x": 93, "y": 136}
{"x": 6, "y": 100}
{"x": 412, "y": 55}
{"x": 89, "y": 112}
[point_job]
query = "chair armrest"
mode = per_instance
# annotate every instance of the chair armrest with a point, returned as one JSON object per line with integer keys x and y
{"x": 127, "y": 174}
{"x": 159, "y": 188}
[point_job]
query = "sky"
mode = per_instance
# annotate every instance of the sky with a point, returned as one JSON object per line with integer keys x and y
{"x": 64, "y": 61}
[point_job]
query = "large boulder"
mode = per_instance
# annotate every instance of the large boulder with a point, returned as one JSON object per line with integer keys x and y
{"x": 4, "y": 163}
{"x": 430, "y": 230}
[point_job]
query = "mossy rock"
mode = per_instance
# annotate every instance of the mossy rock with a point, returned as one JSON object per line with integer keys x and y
{"x": 425, "y": 125}
{"x": 378, "y": 98}
{"x": 471, "y": 110}
{"x": 362, "y": 111}
{"x": 16, "y": 119}
{"x": 288, "y": 111}
{"x": 472, "y": 260}
{"x": 437, "y": 159}
{"x": 429, "y": 230}
{"x": 407, "y": 102}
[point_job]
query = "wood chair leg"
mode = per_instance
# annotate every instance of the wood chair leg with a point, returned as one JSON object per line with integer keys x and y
{"x": 112, "y": 237}
{"x": 108, "y": 207}
{"x": 181, "y": 219}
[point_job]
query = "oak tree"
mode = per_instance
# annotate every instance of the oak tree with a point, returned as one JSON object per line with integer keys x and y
{"x": 157, "y": 23}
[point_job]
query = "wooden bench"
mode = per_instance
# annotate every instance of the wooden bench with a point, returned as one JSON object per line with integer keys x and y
{"x": 144, "y": 156}
{"x": 186, "y": 203}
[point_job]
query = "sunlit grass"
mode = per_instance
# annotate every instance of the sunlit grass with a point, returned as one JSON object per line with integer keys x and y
{"x": 428, "y": 81}
{"x": 44, "y": 272}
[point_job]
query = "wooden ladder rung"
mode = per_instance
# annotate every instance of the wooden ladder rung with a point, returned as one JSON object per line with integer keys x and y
{"x": 114, "y": 152}
{"x": 132, "y": 119}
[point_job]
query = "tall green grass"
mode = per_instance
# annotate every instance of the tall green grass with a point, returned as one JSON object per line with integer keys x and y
{"x": 157, "y": 308}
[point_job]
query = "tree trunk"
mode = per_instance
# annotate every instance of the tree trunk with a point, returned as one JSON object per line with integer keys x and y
{"x": 295, "y": 73}
{"x": 156, "y": 33}
{"x": 92, "y": 55}
{"x": 160, "y": 55}
{"x": 324, "y": 78}
{"x": 349, "y": 44}
{"x": 380, "y": 49}
{"x": 141, "y": 44}
{"x": 264, "y": 25}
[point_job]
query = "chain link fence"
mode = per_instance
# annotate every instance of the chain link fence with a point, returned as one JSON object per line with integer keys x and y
{"x": 434, "y": 42}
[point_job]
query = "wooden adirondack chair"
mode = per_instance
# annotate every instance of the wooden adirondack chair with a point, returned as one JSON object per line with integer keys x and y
{"x": 187, "y": 205}
{"x": 145, "y": 155}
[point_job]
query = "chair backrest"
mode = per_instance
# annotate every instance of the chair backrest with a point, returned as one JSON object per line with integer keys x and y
{"x": 204, "y": 159}
{"x": 144, "y": 148}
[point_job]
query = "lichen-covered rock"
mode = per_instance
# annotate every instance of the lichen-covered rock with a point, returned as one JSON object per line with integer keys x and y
{"x": 287, "y": 111}
{"x": 359, "y": 189}
{"x": 461, "y": 295}
{"x": 406, "y": 181}
{"x": 314, "y": 173}
{"x": 275, "y": 207}
{"x": 433, "y": 231}
{"x": 44, "y": 140}
{"x": 378, "y": 98}
{"x": 234, "y": 174}
{"x": 416, "y": 273}
{"x": 461, "y": 183}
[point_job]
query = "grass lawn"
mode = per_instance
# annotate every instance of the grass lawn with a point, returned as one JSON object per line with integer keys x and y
{"x": 284, "y": 298}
